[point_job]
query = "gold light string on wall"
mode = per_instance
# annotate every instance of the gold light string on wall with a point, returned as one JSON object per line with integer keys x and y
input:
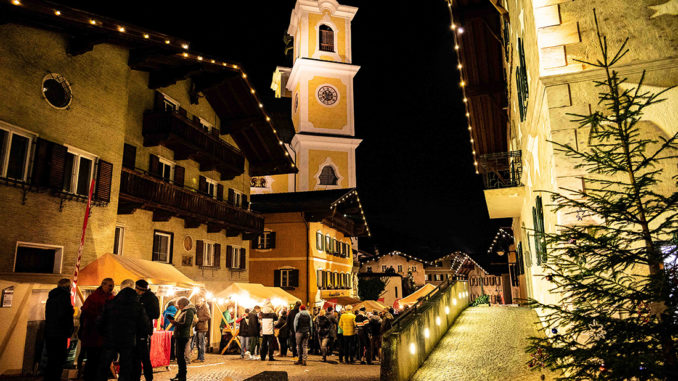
{"x": 85, "y": 18}
{"x": 457, "y": 31}
{"x": 396, "y": 252}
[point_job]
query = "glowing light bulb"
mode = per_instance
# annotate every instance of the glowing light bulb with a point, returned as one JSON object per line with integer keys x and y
{"x": 167, "y": 41}
{"x": 427, "y": 333}
{"x": 199, "y": 58}
{"x": 213, "y": 61}
{"x": 93, "y": 22}
{"x": 268, "y": 118}
{"x": 146, "y": 35}
{"x": 235, "y": 66}
{"x": 459, "y": 66}
{"x": 456, "y": 47}
{"x": 184, "y": 46}
{"x": 465, "y": 100}
{"x": 454, "y": 302}
{"x": 57, "y": 12}
{"x": 16, "y": 2}
{"x": 462, "y": 83}
{"x": 185, "y": 54}
{"x": 453, "y": 26}
{"x": 413, "y": 348}
{"x": 244, "y": 75}
{"x": 460, "y": 30}
{"x": 121, "y": 29}
{"x": 467, "y": 115}
{"x": 252, "y": 91}
{"x": 447, "y": 310}
{"x": 438, "y": 320}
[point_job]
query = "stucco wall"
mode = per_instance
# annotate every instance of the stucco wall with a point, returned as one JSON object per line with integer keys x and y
{"x": 393, "y": 261}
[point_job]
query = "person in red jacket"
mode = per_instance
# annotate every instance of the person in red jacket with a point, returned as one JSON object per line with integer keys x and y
{"x": 90, "y": 338}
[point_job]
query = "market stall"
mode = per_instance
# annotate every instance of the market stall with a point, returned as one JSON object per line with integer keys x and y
{"x": 239, "y": 296}
{"x": 370, "y": 305}
{"x": 412, "y": 298}
{"x": 164, "y": 280}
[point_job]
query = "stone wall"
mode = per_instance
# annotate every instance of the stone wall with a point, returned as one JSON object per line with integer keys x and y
{"x": 407, "y": 345}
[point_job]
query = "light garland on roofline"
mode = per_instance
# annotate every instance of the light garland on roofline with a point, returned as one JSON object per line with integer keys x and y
{"x": 501, "y": 233}
{"x": 154, "y": 37}
{"x": 396, "y": 252}
{"x": 360, "y": 205}
{"x": 457, "y": 31}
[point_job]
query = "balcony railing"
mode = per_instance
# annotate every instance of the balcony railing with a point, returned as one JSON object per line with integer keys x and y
{"x": 189, "y": 140}
{"x": 138, "y": 190}
{"x": 501, "y": 170}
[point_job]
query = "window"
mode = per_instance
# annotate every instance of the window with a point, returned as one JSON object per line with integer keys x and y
{"x": 539, "y": 233}
{"x": 400, "y": 268}
{"x": 206, "y": 126}
{"x": 286, "y": 278}
{"x": 56, "y": 91}
{"x": 328, "y": 243}
{"x": 208, "y": 254}
{"x": 369, "y": 269}
{"x": 15, "y": 148}
{"x": 521, "y": 81}
{"x": 383, "y": 268}
{"x": 266, "y": 240}
{"x": 414, "y": 268}
{"x": 319, "y": 241}
{"x": 328, "y": 176}
{"x": 78, "y": 172}
{"x": 236, "y": 257}
{"x": 396, "y": 292}
{"x": 211, "y": 189}
{"x": 258, "y": 182}
{"x": 166, "y": 169}
{"x": 169, "y": 104}
{"x": 162, "y": 247}
{"x": 37, "y": 258}
{"x": 119, "y": 237}
{"x": 238, "y": 198}
{"x": 326, "y": 38}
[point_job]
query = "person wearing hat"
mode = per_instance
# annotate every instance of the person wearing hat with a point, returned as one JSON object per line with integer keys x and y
{"x": 142, "y": 353}
{"x": 361, "y": 321}
{"x": 347, "y": 326}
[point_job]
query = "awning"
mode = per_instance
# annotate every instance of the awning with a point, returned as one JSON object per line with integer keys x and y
{"x": 344, "y": 300}
{"x": 120, "y": 268}
{"x": 370, "y": 305}
{"x": 415, "y": 296}
{"x": 251, "y": 294}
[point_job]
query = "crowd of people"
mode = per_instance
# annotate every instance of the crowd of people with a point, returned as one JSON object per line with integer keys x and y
{"x": 326, "y": 332}
{"x": 119, "y": 327}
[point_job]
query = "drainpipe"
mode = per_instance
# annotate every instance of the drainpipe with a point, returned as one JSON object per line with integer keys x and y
{"x": 308, "y": 260}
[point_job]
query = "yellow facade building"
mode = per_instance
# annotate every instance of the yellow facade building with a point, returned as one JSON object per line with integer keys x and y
{"x": 306, "y": 246}
{"x": 520, "y": 96}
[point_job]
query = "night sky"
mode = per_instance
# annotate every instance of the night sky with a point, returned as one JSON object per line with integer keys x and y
{"x": 415, "y": 174}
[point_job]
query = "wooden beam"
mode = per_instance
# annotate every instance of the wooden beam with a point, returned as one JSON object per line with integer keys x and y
{"x": 214, "y": 228}
{"x": 167, "y": 77}
{"x": 80, "y": 44}
{"x": 485, "y": 89}
{"x": 232, "y": 232}
{"x": 190, "y": 223}
{"x": 162, "y": 215}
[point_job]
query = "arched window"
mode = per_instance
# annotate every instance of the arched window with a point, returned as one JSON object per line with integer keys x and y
{"x": 327, "y": 176}
{"x": 326, "y": 36}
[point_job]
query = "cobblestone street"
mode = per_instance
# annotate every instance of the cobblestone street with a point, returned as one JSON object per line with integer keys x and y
{"x": 485, "y": 343}
{"x": 231, "y": 367}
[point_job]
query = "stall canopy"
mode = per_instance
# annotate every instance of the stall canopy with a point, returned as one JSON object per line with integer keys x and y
{"x": 250, "y": 294}
{"x": 415, "y": 296}
{"x": 121, "y": 268}
{"x": 370, "y": 305}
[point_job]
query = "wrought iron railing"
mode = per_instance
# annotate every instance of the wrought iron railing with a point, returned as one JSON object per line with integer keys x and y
{"x": 501, "y": 170}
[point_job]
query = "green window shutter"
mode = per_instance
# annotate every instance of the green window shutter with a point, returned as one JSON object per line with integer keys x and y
{"x": 535, "y": 235}
{"x": 319, "y": 240}
{"x": 542, "y": 230}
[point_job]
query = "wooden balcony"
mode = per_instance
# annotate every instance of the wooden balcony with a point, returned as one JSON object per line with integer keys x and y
{"x": 504, "y": 191}
{"x": 138, "y": 190}
{"x": 189, "y": 140}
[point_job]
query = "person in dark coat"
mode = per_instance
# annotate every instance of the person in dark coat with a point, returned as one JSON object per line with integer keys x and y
{"x": 324, "y": 328}
{"x": 375, "y": 334}
{"x": 364, "y": 349}
{"x": 243, "y": 331}
{"x": 123, "y": 320}
{"x": 142, "y": 352}
{"x": 184, "y": 324}
{"x": 91, "y": 340}
{"x": 283, "y": 333}
{"x": 290, "y": 327}
{"x": 58, "y": 328}
{"x": 333, "y": 330}
{"x": 253, "y": 329}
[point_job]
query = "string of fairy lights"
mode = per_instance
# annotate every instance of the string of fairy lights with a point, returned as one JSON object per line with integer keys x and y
{"x": 501, "y": 233}
{"x": 362, "y": 212}
{"x": 133, "y": 32}
{"x": 457, "y": 31}
{"x": 400, "y": 253}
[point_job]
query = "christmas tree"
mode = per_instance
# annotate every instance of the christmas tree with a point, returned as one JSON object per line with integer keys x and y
{"x": 614, "y": 271}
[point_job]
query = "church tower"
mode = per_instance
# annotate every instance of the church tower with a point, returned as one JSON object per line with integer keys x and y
{"x": 320, "y": 85}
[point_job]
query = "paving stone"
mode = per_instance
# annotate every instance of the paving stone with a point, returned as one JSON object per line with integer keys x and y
{"x": 485, "y": 343}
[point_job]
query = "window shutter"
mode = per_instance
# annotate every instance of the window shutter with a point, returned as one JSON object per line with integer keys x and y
{"x": 159, "y": 101}
{"x": 328, "y": 244}
{"x": 57, "y": 166}
{"x": 231, "y": 196}
{"x": 179, "y": 175}
{"x": 104, "y": 178}
{"x": 243, "y": 258}
{"x": 198, "y": 252}
{"x": 220, "y": 192}
{"x": 254, "y": 244}
{"x": 41, "y": 174}
{"x": 276, "y": 278}
{"x": 129, "y": 156}
{"x": 154, "y": 166}
{"x": 319, "y": 240}
{"x": 202, "y": 184}
{"x": 271, "y": 240}
{"x": 244, "y": 201}
{"x": 294, "y": 278}
{"x": 217, "y": 255}
{"x": 229, "y": 257}
{"x": 319, "y": 278}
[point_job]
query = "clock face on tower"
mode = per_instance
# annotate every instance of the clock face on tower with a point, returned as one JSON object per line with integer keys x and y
{"x": 327, "y": 95}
